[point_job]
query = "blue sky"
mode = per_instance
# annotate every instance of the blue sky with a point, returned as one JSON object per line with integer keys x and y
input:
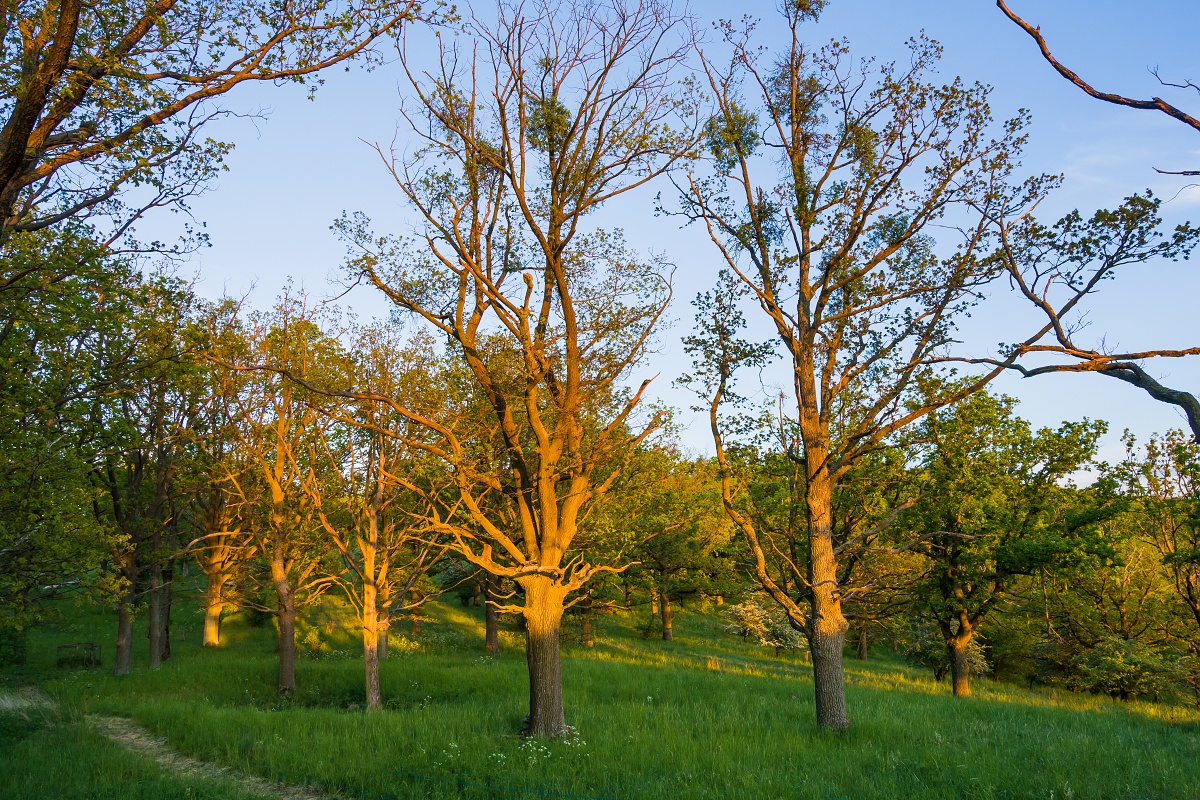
{"x": 293, "y": 173}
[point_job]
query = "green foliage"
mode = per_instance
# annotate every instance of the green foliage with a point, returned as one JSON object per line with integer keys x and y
{"x": 1128, "y": 668}
{"x": 732, "y": 136}
{"x": 82, "y": 334}
{"x": 549, "y": 123}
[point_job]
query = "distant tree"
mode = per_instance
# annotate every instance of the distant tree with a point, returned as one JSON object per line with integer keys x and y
{"x": 993, "y": 510}
{"x": 224, "y": 502}
{"x": 67, "y": 342}
{"x": 276, "y": 422}
{"x": 669, "y": 510}
{"x": 143, "y": 425}
{"x": 760, "y": 618}
{"x": 1163, "y": 484}
{"x": 369, "y": 488}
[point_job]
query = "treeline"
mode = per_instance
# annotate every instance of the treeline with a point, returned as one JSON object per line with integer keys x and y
{"x": 161, "y": 434}
{"x": 495, "y": 430}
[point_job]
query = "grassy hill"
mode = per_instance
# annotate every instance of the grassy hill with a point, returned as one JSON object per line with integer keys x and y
{"x": 706, "y": 716}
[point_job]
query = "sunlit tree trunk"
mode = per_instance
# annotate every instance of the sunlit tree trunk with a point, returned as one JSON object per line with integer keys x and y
{"x": 370, "y": 629}
{"x": 286, "y": 611}
{"x": 668, "y": 633}
{"x": 827, "y": 634}
{"x": 960, "y": 670}
{"x": 543, "y": 612}
{"x": 214, "y": 604}
{"x": 587, "y": 632}
{"x": 491, "y": 617}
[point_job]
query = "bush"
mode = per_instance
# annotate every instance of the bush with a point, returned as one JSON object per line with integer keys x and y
{"x": 1127, "y": 668}
{"x": 763, "y": 620}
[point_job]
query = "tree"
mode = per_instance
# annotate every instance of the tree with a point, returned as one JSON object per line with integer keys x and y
{"x": 993, "y": 509}
{"x": 276, "y": 422}
{"x": 822, "y": 201}
{"x": 1163, "y": 484}
{"x": 220, "y": 512}
{"x": 668, "y": 511}
{"x": 368, "y": 488}
{"x": 1075, "y": 257}
{"x": 63, "y": 301}
{"x": 568, "y": 108}
{"x": 142, "y": 425}
{"x": 103, "y": 96}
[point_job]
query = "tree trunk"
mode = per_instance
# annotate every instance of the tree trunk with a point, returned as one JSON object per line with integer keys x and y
{"x": 862, "y": 642}
{"x": 960, "y": 672}
{"x": 587, "y": 633}
{"x": 371, "y": 637}
{"x": 668, "y": 634}
{"x": 124, "y": 656}
{"x": 287, "y": 623}
{"x": 168, "y": 597}
{"x": 385, "y": 620}
{"x": 156, "y": 624}
{"x": 543, "y": 620}
{"x": 828, "y": 635}
{"x": 214, "y": 604}
{"x": 491, "y": 618}
{"x": 653, "y": 601}
{"x": 477, "y": 594}
{"x": 287, "y": 649}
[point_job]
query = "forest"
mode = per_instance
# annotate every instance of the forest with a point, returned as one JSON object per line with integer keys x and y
{"x": 459, "y": 542}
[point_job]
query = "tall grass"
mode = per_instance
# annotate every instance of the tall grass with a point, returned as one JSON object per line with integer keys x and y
{"x": 706, "y": 716}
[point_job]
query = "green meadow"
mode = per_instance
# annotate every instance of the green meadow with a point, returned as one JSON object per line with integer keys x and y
{"x": 705, "y": 716}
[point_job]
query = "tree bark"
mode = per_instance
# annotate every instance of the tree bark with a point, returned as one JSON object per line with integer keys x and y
{"x": 168, "y": 599}
{"x": 287, "y": 623}
{"x": 960, "y": 671}
{"x": 287, "y": 649}
{"x": 384, "y": 622}
{"x": 863, "y": 643}
{"x": 664, "y": 605}
{"x": 371, "y": 635}
{"x": 214, "y": 604}
{"x": 491, "y": 618}
{"x": 827, "y": 638}
{"x": 156, "y": 621}
{"x": 124, "y": 655}
{"x": 543, "y": 621}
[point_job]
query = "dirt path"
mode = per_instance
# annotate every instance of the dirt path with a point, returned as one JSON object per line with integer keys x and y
{"x": 134, "y": 737}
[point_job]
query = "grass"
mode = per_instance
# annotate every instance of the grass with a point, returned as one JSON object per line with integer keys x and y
{"x": 705, "y": 716}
